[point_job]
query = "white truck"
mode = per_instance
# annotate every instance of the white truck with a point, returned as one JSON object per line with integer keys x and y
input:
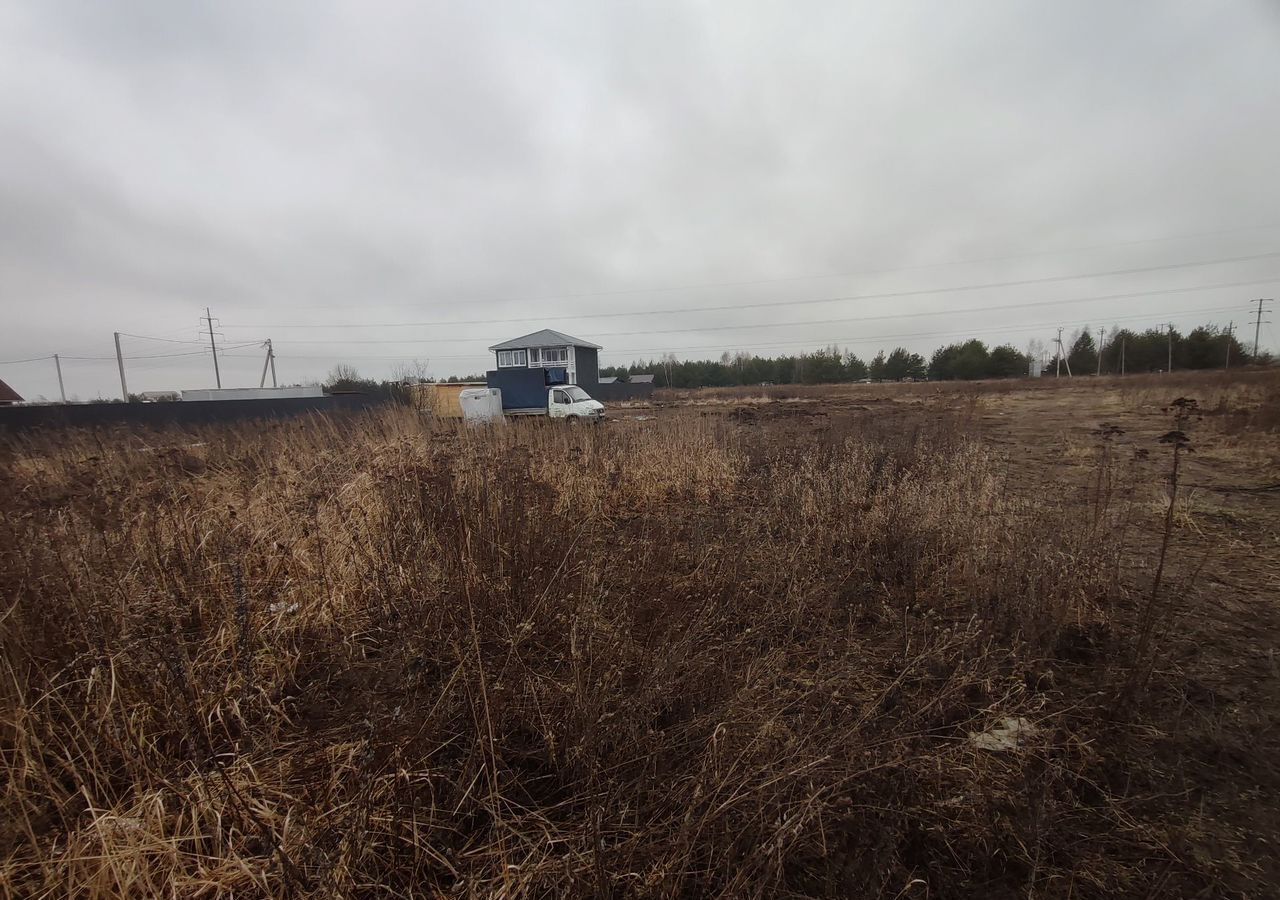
{"x": 568, "y": 402}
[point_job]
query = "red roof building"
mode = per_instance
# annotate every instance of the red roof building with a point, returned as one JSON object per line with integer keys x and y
{"x": 8, "y": 396}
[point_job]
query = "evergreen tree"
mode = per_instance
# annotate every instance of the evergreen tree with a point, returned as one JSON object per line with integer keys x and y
{"x": 854, "y": 368}
{"x": 1083, "y": 355}
{"x": 1007, "y": 362}
{"x": 903, "y": 364}
{"x": 877, "y": 367}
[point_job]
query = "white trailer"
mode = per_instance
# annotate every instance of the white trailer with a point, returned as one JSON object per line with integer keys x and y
{"x": 481, "y": 405}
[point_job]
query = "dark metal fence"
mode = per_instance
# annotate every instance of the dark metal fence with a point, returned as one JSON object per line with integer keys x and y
{"x": 94, "y": 415}
{"x": 621, "y": 391}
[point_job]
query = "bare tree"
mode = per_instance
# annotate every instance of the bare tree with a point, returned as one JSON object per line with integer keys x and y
{"x": 341, "y": 373}
{"x": 668, "y": 360}
{"x": 417, "y": 371}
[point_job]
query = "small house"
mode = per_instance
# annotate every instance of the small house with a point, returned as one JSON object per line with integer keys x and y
{"x": 8, "y": 396}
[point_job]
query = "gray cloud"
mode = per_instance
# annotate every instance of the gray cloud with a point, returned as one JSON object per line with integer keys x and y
{"x": 296, "y": 164}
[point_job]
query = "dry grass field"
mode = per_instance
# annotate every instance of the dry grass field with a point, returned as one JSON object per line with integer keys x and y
{"x": 875, "y": 640}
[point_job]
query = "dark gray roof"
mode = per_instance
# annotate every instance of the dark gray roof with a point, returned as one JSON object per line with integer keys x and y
{"x": 642, "y": 379}
{"x": 609, "y": 379}
{"x": 544, "y": 338}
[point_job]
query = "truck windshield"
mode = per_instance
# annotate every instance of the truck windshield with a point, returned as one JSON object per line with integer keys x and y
{"x": 576, "y": 393}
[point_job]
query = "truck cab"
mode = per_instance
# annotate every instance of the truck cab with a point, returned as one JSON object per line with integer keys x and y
{"x": 572, "y": 402}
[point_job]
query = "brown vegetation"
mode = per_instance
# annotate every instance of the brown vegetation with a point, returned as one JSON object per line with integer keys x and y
{"x": 708, "y": 654}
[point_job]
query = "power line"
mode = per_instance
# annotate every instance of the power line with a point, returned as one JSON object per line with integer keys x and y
{"x": 990, "y": 285}
{"x": 843, "y": 320}
{"x": 202, "y": 352}
{"x": 147, "y": 337}
{"x": 151, "y": 365}
{"x": 993, "y": 330}
{"x": 877, "y": 339}
{"x": 807, "y": 301}
{"x": 856, "y": 274}
{"x": 149, "y": 356}
{"x": 880, "y": 339}
{"x": 854, "y": 341}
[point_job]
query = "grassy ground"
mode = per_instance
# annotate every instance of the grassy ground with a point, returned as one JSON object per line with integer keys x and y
{"x": 739, "y": 644}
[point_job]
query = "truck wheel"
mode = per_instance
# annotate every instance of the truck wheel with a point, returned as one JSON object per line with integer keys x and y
{"x": 572, "y": 420}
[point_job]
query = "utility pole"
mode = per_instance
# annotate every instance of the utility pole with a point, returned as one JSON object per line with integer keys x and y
{"x": 217, "y": 376}
{"x": 1122, "y": 339}
{"x": 1230, "y": 328}
{"x": 124, "y": 388}
{"x": 61, "y": 390}
{"x": 266, "y": 361}
{"x": 1057, "y": 371}
{"x": 1170, "y": 369}
{"x": 1102, "y": 334}
{"x": 269, "y": 361}
{"x": 1257, "y": 324}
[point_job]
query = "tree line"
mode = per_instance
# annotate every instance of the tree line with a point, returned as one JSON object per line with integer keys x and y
{"x": 1154, "y": 350}
{"x": 1204, "y": 347}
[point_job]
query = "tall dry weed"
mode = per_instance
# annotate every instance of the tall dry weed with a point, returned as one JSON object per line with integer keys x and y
{"x": 387, "y": 657}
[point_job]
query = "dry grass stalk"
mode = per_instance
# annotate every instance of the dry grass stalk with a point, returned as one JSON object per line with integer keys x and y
{"x": 395, "y": 658}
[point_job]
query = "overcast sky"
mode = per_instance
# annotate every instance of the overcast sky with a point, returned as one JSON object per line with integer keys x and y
{"x": 612, "y": 169}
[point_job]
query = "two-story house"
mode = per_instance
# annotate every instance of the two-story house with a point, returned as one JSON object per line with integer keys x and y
{"x": 548, "y": 349}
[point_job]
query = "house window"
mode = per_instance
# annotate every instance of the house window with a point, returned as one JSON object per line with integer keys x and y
{"x": 510, "y": 358}
{"x": 549, "y": 356}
